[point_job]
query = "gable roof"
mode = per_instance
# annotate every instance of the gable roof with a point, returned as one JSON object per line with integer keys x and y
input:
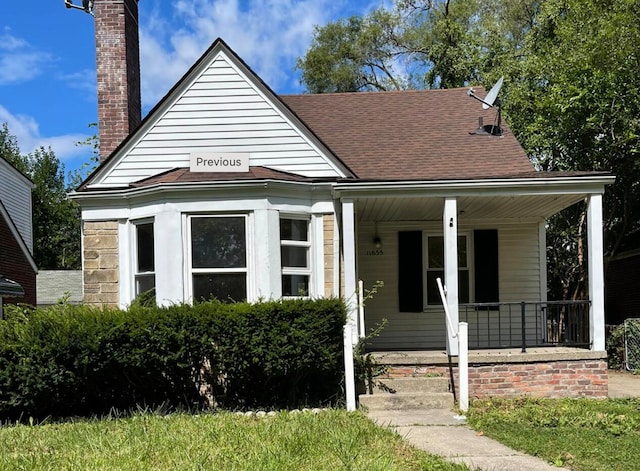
{"x": 411, "y": 135}
{"x": 219, "y": 105}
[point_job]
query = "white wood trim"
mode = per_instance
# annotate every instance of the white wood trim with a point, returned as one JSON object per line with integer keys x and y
{"x": 596, "y": 272}
{"x": 317, "y": 254}
{"x": 125, "y": 265}
{"x": 542, "y": 241}
{"x": 169, "y": 257}
{"x": 450, "y": 231}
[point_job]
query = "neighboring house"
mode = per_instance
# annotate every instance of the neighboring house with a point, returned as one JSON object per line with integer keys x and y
{"x": 226, "y": 189}
{"x": 16, "y": 233}
{"x": 59, "y": 285}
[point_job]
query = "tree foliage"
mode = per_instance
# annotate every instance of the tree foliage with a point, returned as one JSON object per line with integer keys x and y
{"x": 56, "y": 219}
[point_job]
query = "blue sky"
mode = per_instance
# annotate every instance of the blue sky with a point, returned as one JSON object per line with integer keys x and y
{"x": 47, "y": 57}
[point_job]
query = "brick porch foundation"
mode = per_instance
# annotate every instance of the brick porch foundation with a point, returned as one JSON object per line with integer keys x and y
{"x": 552, "y": 373}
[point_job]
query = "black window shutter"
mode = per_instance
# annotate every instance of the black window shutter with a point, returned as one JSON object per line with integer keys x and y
{"x": 486, "y": 265}
{"x": 410, "y": 293}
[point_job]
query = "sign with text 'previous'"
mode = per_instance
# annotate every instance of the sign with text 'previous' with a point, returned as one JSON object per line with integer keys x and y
{"x": 218, "y": 162}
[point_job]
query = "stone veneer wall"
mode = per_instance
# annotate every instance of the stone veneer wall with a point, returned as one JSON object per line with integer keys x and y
{"x": 100, "y": 262}
{"x": 329, "y": 253}
{"x": 552, "y": 379}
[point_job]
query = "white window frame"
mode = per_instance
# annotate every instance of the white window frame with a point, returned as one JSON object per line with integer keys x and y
{"x": 190, "y": 270}
{"x": 300, "y": 271}
{"x": 425, "y": 263}
{"x": 134, "y": 254}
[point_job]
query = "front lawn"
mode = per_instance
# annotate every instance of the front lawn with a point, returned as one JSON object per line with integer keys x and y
{"x": 581, "y": 434}
{"x": 330, "y": 440}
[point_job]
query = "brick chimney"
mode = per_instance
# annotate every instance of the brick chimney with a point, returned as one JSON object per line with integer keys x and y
{"x": 118, "y": 71}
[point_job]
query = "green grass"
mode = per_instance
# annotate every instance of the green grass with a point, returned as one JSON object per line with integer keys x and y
{"x": 581, "y": 434}
{"x": 330, "y": 440}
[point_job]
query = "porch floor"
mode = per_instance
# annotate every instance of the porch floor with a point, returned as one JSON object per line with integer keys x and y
{"x": 509, "y": 355}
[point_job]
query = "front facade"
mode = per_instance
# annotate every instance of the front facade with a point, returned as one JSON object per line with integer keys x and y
{"x": 227, "y": 190}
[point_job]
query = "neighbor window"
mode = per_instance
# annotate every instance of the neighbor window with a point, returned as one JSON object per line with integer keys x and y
{"x": 219, "y": 257}
{"x": 295, "y": 248}
{"x": 145, "y": 277}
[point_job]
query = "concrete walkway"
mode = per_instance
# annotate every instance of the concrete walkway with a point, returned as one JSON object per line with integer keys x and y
{"x": 440, "y": 432}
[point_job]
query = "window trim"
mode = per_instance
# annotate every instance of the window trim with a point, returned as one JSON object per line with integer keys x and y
{"x": 188, "y": 251}
{"x": 308, "y": 244}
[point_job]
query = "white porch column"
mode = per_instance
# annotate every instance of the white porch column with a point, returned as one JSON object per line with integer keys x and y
{"x": 349, "y": 253}
{"x": 450, "y": 231}
{"x": 348, "y": 235}
{"x": 596, "y": 272}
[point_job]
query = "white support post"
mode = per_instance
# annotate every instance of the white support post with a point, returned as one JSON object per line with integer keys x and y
{"x": 450, "y": 231}
{"x": 463, "y": 365}
{"x": 349, "y": 371}
{"x": 349, "y": 254}
{"x": 596, "y": 272}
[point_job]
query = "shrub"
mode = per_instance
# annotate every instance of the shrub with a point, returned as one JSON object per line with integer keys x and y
{"x": 79, "y": 360}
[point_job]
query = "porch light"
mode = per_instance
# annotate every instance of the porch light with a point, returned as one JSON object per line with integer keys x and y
{"x": 377, "y": 241}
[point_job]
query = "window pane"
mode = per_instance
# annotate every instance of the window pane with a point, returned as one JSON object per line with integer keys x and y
{"x": 226, "y": 287}
{"x": 295, "y": 285}
{"x": 144, "y": 236}
{"x": 463, "y": 286}
{"x": 462, "y": 251}
{"x": 294, "y": 229}
{"x": 436, "y": 251}
{"x": 218, "y": 242}
{"x": 294, "y": 257}
{"x": 144, "y": 283}
{"x": 433, "y": 294}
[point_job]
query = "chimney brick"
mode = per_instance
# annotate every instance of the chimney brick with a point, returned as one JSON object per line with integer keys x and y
{"x": 118, "y": 71}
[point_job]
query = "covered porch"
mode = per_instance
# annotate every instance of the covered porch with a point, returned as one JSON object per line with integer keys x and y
{"x": 486, "y": 240}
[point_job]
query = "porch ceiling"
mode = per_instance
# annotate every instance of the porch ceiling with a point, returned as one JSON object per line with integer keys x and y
{"x": 415, "y": 208}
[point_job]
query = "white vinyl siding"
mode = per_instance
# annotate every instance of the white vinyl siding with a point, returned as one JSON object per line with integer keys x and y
{"x": 15, "y": 194}
{"x": 221, "y": 111}
{"x": 519, "y": 272}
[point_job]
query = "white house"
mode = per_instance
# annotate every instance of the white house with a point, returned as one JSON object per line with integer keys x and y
{"x": 226, "y": 189}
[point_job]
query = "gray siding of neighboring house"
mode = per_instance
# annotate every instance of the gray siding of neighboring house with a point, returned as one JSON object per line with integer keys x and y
{"x": 53, "y": 285}
{"x": 15, "y": 194}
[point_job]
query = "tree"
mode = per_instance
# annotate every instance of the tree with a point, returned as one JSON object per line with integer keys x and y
{"x": 571, "y": 94}
{"x": 574, "y": 102}
{"x": 56, "y": 219}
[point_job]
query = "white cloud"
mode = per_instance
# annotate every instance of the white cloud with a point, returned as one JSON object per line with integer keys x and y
{"x": 19, "y": 61}
{"x": 267, "y": 35}
{"x": 83, "y": 80}
{"x": 27, "y": 132}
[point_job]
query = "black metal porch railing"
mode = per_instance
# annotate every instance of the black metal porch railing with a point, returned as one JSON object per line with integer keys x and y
{"x": 527, "y": 324}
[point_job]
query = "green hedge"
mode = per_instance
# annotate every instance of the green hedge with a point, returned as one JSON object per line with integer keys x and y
{"x": 77, "y": 360}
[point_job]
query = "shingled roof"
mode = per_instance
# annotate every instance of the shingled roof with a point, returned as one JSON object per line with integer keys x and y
{"x": 411, "y": 135}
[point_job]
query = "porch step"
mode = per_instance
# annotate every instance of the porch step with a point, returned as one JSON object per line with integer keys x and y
{"x": 409, "y": 393}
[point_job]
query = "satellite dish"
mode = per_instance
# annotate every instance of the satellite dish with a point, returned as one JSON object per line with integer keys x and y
{"x": 490, "y": 101}
{"x": 492, "y": 96}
